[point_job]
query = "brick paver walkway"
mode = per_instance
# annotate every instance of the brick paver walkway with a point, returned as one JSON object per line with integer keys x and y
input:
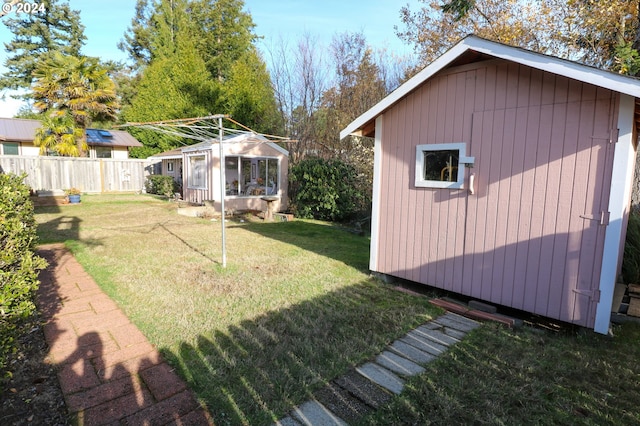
{"x": 108, "y": 371}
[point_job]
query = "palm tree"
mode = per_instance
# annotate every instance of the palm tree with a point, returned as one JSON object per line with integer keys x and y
{"x": 76, "y": 86}
{"x": 59, "y": 134}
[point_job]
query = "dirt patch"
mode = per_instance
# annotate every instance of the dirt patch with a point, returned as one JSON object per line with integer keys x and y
{"x": 32, "y": 394}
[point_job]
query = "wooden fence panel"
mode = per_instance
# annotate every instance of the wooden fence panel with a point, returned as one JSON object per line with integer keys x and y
{"x": 87, "y": 174}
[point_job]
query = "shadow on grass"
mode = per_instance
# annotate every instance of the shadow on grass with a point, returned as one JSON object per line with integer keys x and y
{"x": 318, "y": 238}
{"x": 529, "y": 376}
{"x": 59, "y": 229}
{"x": 256, "y": 372}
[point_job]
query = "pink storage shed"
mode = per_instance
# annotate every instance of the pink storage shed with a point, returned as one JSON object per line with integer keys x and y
{"x": 505, "y": 175}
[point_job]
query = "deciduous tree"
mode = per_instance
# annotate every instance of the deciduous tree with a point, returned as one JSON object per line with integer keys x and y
{"x": 599, "y": 33}
{"x": 300, "y": 77}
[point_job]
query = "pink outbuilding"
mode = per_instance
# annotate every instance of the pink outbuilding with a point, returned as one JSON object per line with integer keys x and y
{"x": 505, "y": 175}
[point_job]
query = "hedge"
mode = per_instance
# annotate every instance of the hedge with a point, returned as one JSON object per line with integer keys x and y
{"x": 327, "y": 190}
{"x": 19, "y": 265}
{"x": 161, "y": 185}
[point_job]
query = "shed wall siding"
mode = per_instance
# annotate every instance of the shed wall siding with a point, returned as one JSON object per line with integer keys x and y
{"x": 542, "y": 160}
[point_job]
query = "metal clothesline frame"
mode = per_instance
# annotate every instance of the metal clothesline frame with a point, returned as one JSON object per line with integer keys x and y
{"x": 205, "y": 129}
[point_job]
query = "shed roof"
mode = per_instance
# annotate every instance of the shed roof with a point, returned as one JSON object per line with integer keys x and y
{"x": 24, "y": 130}
{"x": 242, "y": 137}
{"x": 473, "y": 48}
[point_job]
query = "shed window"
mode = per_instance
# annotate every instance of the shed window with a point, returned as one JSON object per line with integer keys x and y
{"x": 197, "y": 173}
{"x": 441, "y": 165}
{"x": 252, "y": 176}
{"x": 11, "y": 148}
{"x": 170, "y": 166}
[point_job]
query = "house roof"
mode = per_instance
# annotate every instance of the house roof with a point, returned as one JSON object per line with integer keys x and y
{"x": 473, "y": 48}
{"x": 24, "y": 130}
{"x": 243, "y": 137}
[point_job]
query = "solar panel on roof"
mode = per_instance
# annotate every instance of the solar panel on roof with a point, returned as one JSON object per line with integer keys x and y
{"x": 105, "y": 133}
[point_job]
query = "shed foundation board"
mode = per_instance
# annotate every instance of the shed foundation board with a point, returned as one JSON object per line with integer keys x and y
{"x": 457, "y": 322}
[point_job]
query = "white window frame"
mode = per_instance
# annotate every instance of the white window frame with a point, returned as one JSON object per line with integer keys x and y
{"x": 463, "y": 161}
{"x": 254, "y": 175}
{"x": 191, "y": 183}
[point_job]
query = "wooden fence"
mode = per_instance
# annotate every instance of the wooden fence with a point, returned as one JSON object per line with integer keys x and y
{"x": 89, "y": 175}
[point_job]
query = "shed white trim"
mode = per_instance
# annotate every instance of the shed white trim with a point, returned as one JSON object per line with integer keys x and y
{"x": 241, "y": 138}
{"x": 375, "y": 199}
{"x": 609, "y": 80}
{"x": 621, "y": 181}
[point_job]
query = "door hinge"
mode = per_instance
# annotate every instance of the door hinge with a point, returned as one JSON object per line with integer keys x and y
{"x": 594, "y": 295}
{"x": 602, "y": 218}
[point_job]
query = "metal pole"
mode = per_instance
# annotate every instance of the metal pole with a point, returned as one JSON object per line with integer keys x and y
{"x": 223, "y": 193}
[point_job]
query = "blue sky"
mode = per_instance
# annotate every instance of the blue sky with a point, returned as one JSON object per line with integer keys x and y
{"x": 106, "y": 21}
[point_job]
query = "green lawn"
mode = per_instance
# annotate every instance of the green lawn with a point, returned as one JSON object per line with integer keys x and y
{"x": 296, "y": 308}
{"x": 498, "y": 376}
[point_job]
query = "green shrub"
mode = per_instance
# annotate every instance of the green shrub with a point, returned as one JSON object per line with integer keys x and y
{"x": 631, "y": 259}
{"x": 18, "y": 263}
{"x": 161, "y": 185}
{"x": 327, "y": 190}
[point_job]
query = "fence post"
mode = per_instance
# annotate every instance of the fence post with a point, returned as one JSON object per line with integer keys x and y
{"x": 101, "y": 176}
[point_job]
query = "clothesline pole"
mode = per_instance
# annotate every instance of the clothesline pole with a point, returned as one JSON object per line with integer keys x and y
{"x": 222, "y": 194}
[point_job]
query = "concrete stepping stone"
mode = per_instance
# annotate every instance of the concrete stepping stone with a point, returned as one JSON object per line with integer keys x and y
{"x": 454, "y": 333}
{"x": 398, "y": 364}
{"x": 363, "y": 389}
{"x": 411, "y": 352}
{"x": 436, "y": 335}
{"x": 424, "y": 344}
{"x": 381, "y": 376}
{"x": 432, "y": 325}
{"x": 312, "y": 413}
{"x": 457, "y": 322}
{"x": 357, "y": 393}
{"x": 287, "y": 421}
{"x": 342, "y": 403}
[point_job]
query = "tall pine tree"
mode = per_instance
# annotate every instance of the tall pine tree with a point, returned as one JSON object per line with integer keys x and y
{"x": 225, "y": 33}
{"x": 176, "y": 83}
{"x": 56, "y": 29}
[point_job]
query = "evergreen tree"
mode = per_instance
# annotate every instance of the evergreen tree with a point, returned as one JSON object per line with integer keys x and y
{"x": 137, "y": 39}
{"x": 248, "y": 94}
{"x": 225, "y": 33}
{"x": 176, "y": 83}
{"x": 56, "y": 29}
